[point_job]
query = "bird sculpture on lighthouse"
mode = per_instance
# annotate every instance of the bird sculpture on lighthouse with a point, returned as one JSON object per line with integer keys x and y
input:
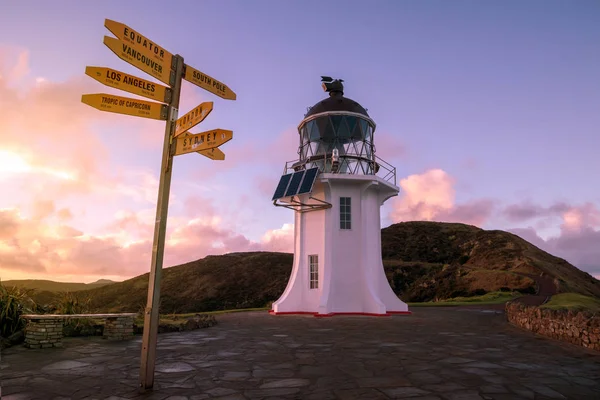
{"x": 336, "y": 189}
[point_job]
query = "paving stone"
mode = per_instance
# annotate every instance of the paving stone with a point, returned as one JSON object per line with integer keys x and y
{"x": 262, "y": 393}
{"x": 404, "y": 392}
{"x": 67, "y": 364}
{"x": 383, "y": 382}
{"x": 456, "y": 360}
{"x": 423, "y": 378}
{"x": 220, "y": 391}
{"x": 493, "y": 389}
{"x": 285, "y": 383}
{"x": 341, "y": 357}
{"x": 544, "y": 391}
{"x": 444, "y": 387}
{"x": 462, "y": 395}
{"x": 355, "y": 369}
{"x": 272, "y": 373}
{"x": 360, "y": 394}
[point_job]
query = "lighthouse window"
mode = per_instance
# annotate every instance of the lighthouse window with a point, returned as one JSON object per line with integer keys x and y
{"x": 345, "y": 215}
{"x": 313, "y": 263}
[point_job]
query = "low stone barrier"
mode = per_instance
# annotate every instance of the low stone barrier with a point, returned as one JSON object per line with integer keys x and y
{"x": 582, "y": 329}
{"x": 44, "y": 331}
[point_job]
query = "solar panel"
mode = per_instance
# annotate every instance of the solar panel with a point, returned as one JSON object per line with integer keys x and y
{"x": 309, "y": 180}
{"x": 281, "y": 186}
{"x": 294, "y": 184}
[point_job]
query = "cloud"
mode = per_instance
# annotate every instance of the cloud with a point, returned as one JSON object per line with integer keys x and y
{"x": 424, "y": 196}
{"x": 579, "y": 235}
{"x": 527, "y": 211}
{"x": 281, "y": 239}
{"x": 430, "y": 196}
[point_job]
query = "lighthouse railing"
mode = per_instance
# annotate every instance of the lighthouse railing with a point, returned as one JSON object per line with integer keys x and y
{"x": 378, "y": 166}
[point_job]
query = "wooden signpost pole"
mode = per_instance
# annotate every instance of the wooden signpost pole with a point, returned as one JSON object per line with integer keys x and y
{"x": 146, "y": 55}
{"x": 148, "y": 357}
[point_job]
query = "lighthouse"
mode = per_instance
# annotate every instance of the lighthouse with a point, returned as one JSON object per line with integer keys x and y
{"x": 336, "y": 188}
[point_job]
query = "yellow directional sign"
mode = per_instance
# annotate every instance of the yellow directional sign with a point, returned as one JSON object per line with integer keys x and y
{"x": 193, "y": 118}
{"x": 214, "y": 154}
{"x": 146, "y": 63}
{"x": 129, "y": 83}
{"x": 125, "y": 105}
{"x": 202, "y": 141}
{"x": 139, "y": 42}
{"x": 208, "y": 83}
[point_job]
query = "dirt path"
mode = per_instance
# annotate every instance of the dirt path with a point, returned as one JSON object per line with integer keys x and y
{"x": 545, "y": 290}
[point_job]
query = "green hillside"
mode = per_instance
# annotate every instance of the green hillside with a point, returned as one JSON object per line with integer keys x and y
{"x": 423, "y": 261}
{"x": 52, "y": 286}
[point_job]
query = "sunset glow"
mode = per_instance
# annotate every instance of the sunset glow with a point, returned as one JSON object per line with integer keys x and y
{"x": 488, "y": 112}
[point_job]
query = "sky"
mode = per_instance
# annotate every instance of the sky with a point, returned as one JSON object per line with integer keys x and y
{"x": 488, "y": 111}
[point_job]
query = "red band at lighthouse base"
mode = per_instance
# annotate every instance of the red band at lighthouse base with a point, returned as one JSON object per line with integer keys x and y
{"x": 388, "y": 314}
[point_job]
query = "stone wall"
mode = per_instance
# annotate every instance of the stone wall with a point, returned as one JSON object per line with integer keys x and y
{"x": 42, "y": 333}
{"x": 582, "y": 329}
{"x": 119, "y": 328}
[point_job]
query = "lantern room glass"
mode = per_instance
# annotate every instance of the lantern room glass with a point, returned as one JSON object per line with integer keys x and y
{"x": 351, "y": 135}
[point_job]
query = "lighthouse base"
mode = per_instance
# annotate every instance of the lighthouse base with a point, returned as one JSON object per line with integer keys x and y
{"x": 388, "y": 314}
{"x": 338, "y": 266}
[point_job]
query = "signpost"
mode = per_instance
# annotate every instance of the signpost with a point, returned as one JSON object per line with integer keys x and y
{"x": 202, "y": 141}
{"x": 170, "y": 69}
{"x": 193, "y": 118}
{"x": 130, "y": 83}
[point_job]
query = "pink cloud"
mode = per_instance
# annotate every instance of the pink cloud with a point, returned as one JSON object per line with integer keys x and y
{"x": 430, "y": 196}
{"x": 578, "y": 239}
{"x": 281, "y": 239}
{"x": 424, "y": 196}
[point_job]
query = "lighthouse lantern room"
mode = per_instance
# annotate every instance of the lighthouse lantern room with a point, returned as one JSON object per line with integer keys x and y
{"x": 336, "y": 189}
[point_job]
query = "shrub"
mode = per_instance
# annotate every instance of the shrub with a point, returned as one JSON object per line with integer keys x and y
{"x": 72, "y": 303}
{"x": 14, "y": 302}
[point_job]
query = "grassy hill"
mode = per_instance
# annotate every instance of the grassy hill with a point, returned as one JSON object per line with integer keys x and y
{"x": 423, "y": 261}
{"x": 51, "y": 286}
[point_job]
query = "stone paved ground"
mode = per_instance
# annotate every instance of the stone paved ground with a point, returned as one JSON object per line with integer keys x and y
{"x": 437, "y": 353}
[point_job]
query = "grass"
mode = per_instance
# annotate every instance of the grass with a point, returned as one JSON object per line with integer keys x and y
{"x": 573, "y": 301}
{"x": 488, "y": 298}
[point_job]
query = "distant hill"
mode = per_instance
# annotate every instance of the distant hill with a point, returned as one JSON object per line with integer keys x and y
{"x": 425, "y": 260}
{"x": 52, "y": 286}
{"x": 422, "y": 260}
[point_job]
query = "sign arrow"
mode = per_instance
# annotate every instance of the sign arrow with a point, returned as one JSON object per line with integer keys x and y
{"x": 140, "y": 42}
{"x": 139, "y": 59}
{"x": 214, "y": 154}
{"x": 193, "y": 118}
{"x": 125, "y": 105}
{"x": 129, "y": 83}
{"x": 208, "y": 83}
{"x": 202, "y": 141}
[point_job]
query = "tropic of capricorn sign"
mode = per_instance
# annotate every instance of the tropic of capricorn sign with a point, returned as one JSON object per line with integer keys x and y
{"x": 141, "y": 52}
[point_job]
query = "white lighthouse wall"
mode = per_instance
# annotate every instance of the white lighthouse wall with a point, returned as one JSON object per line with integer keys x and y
{"x": 374, "y": 197}
{"x": 346, "y": 293}
{"x": 309, "y": 239}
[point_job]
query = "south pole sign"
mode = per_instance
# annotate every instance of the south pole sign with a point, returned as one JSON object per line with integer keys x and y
{"x": 145, "y": 54}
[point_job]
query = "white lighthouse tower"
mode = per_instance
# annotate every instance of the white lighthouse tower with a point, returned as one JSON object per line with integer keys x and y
{"x": 336, "y": 189}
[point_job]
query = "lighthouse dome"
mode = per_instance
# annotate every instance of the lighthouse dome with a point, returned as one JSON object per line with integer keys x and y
{"x": 336, "y": 102}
